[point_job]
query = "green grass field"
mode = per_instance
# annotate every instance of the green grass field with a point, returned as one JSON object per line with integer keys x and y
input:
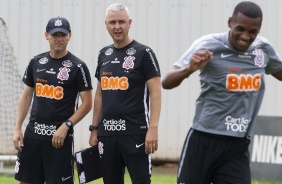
{"x": 156, "y": 179}
{"x": 162, "y": 174}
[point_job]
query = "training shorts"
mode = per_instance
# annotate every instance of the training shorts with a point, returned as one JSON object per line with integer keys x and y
{"x": 116, "y": 152}
{"x": 208, "y": 158}
{"x": 39, "y": 161}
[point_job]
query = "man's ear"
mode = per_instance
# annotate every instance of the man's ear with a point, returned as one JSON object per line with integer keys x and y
{"x": 229, "y": 22}
{"x": 46, "y": 35}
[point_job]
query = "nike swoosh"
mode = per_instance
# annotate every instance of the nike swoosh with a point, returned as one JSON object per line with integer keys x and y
{"x": 137, "y": 146}
{"x": 40, "y": 70}
{"x": 225, "y": 56}
{"x": 64, "y": 179}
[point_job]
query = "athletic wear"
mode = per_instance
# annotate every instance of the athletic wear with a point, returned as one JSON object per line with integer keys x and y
{"x": 232, "y": 89}
{"x": 119, "y": 151}
{"x": 232, "y": 84}
{"x": 123, "y": 74}
{"x": 39, "y": 161}
{"x": 208, "y": 158}
{"x": 124, "y": 121}
{"x": 57, "y": 83}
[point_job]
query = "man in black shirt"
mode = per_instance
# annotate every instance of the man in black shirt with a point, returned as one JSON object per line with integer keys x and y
{"x": 128, "y": 89}
{"x": 54, "y": 80}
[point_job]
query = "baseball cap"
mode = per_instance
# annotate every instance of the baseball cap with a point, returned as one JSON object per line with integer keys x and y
{"x": 58, "y": 24}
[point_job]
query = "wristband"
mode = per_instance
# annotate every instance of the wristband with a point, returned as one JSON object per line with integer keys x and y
{"x": 69, "y": 123}
{"x": 92, "y": 127}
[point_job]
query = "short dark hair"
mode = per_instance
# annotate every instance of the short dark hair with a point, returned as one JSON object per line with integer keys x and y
{"x": 248, "y": 8}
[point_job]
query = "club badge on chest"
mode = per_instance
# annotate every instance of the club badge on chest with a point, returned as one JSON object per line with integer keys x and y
{"x": 128, "y": 62}
{"x": 64, "y": 73}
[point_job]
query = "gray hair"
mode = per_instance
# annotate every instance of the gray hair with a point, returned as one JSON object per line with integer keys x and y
{"x": 117, "y": 7}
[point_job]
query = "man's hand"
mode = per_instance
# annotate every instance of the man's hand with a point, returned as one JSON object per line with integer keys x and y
{"x": 199, "y": 60}
{"x": 60, "y": 135}
{"x": 151, "y": 142}
{"x": 18, "y": 140}
{"x": 93, "y": 140}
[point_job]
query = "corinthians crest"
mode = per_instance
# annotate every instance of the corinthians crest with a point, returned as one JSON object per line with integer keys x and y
{"x": 58, "y": 22}
{"x": 64, "y": 73}
{"x": 259, "y": 59}
{"x": 128, "y": 62}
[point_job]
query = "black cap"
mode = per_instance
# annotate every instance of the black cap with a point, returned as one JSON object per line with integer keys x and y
{"x": 58, "y": 24}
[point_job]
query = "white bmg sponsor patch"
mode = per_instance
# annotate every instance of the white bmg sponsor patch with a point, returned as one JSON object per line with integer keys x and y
{"x": 114, "y": 125}
{"x": 236, "y": 124}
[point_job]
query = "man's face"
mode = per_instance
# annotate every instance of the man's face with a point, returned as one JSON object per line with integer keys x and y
{"x": 243, "y": 31}
{"x": 58, "y": 41}
{"x": 118, "y": 24}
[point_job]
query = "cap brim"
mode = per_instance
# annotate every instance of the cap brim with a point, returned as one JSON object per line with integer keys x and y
{"x": 62, "y": 30}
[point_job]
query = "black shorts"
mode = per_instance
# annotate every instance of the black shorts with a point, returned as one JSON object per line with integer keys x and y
{"x": 208, "y": 158}
{"x": 39, "y": 161}
{"x": 116, "y": 152}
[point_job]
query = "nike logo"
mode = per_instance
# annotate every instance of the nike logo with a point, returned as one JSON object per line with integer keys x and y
{"x": 225, "y": 56}
{"x": 103, "y": 64}
{"x": 64, "y": 179}
{"x": 40, "y": 70}
{"x": 137, "y": 146}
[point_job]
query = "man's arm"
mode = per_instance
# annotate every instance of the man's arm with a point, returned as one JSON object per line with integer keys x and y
{"x": 23, "y": 107}
{"x": 177, "y": 75}
{"x": 93, "y": 140}
{"x": 80, "y": 113}
{"x": 174, "y": 78}
{"x": 84, "y": 108}
{"x": 154, "y": 86}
